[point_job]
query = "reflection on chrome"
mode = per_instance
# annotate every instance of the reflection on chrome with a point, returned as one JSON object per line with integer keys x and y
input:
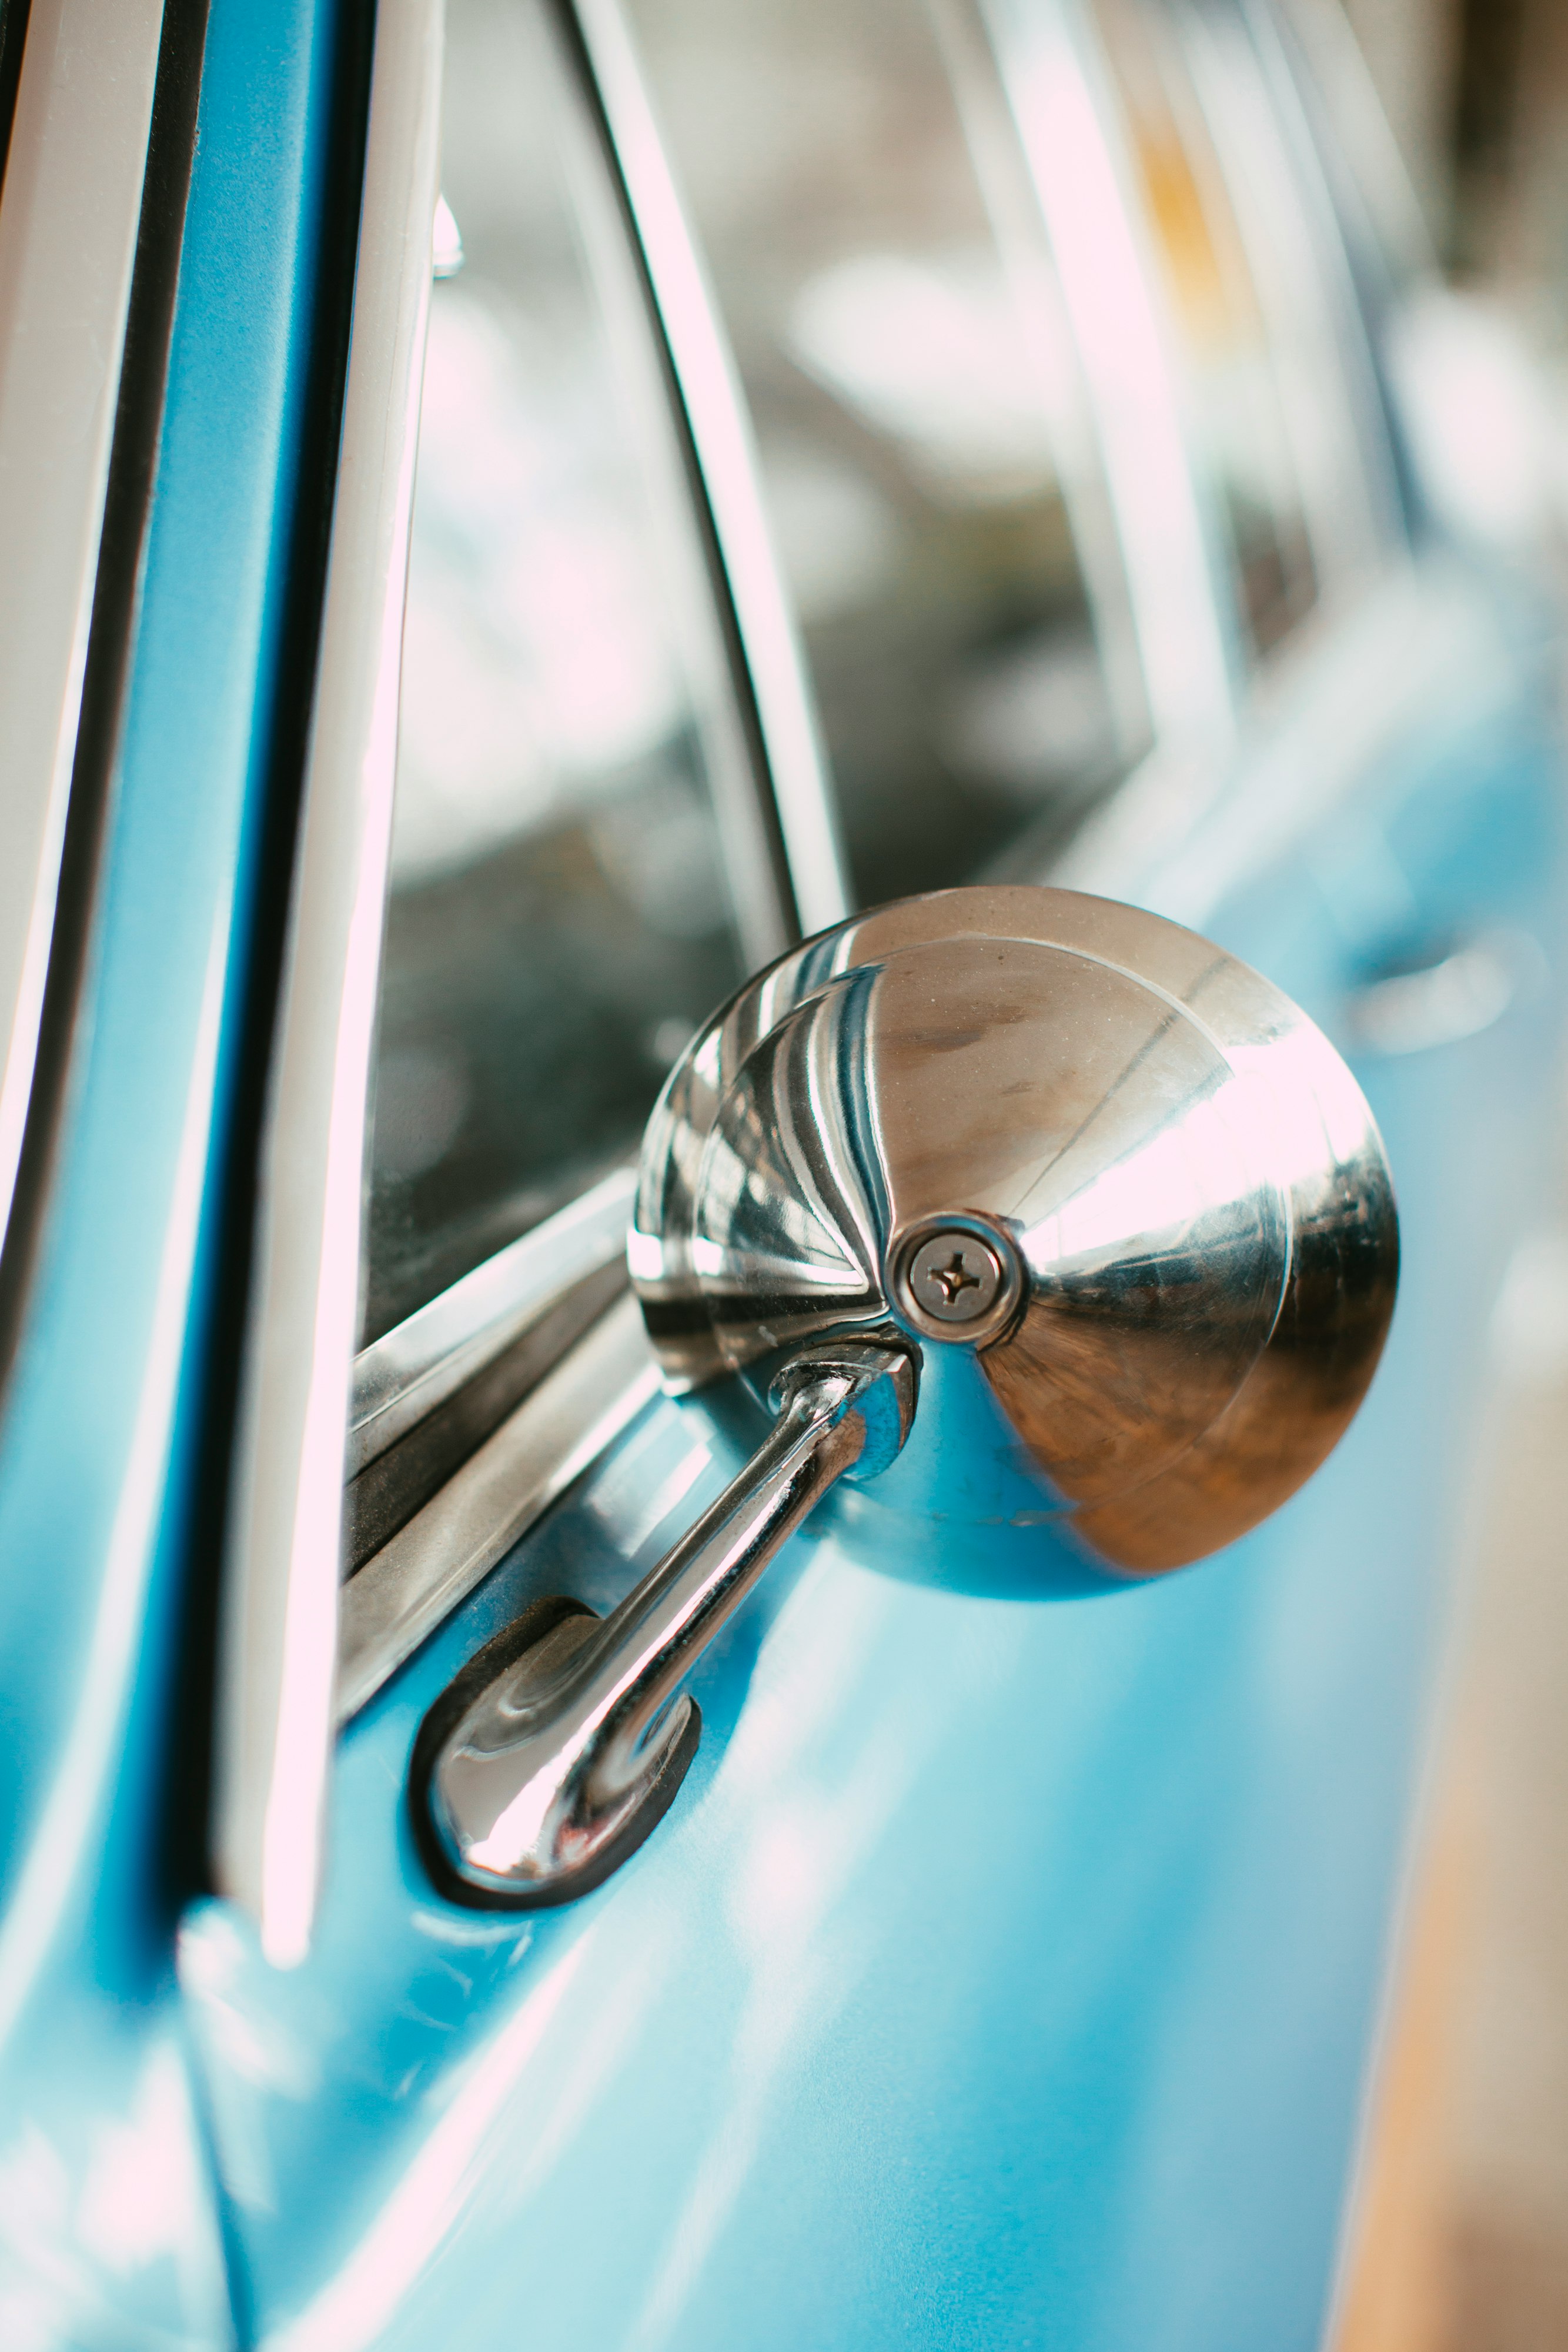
{"x": 1113, "y": 1191}
{"x": 1045, "y": 57}
{"x": 1183, "y": 1165}
{"x": 557, "y": 1750}
{"x": 412, "y": 1368}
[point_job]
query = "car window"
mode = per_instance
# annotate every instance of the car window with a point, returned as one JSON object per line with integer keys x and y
{"x": 1237, "y": 406}
{"x": 930, "y": 472}
{"x": 577, "y": 873}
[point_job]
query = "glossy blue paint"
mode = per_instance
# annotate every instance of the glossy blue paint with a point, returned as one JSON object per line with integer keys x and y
{"x": 962, "y": 2000}
{"x": 117, "y": 2236}
{"x": 1005, "y": 1972}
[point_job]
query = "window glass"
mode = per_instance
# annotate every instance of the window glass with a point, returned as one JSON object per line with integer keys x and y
{"x": 576, "y": 877}
{"x": 930, "y": 474}
{"x": 1237, "y": 410}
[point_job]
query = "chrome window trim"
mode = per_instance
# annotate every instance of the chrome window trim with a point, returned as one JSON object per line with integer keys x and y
{"x": 279, "y": 1628}
{"x": 1052, "y": 73}
{"x": 1329, "y": 58}
{"x": 304, "y": 1686}
{"x": 558, "y": 1430}
{"x": 1358, "y": 365}
{"x": 1010, "y": 193}
{"x": 401, "y": 1593}
{"x": 1363, "y": 630}
{"x": 1292, "y": 268}
{"x": 407, "y": 1375}
{"x": 420, "y": 1363}
{"x": 70, "y": 217}
{"x": 720, "y": 429}
{"x": 755, "y": 856}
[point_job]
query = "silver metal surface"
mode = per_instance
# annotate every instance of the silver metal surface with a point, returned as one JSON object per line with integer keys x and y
{"x": 1053, "y": 72}
{"x": 408, "y": 1587}
{"x": 279, "y": 1608}
{"x": 1295, "y": 257}
{"x": 954, "y": 1277}
{"x": 946, "y": 1276}
{"x": 654, "y": 330}
{"x": 1358, "y": 118}
{"x": 721, "y": 437}
{"x": 427, "y": 1358}
{"x": 1179, "y": 1163}
{"x": 555, "y": 1770}
{"x": 1007, "y": 182}
{"x": 74, "y": 172}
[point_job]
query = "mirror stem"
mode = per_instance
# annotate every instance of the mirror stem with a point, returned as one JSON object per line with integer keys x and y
{"x": 557, "y": 1767}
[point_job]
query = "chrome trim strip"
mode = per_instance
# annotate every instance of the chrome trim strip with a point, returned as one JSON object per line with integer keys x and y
{"x": 546, "y": 1777}
{"x": 721, "y": 435}
{"x": 68, "y": 246}
{"x": 279, "y": 1622}
{"x": 700, "y": 605}
{"x": 1048, "y": 64}
{"x": 1289, "y": 260}
{"x": 402, "y": 1593}
{"x": 423, "y": 1360}
{"x": 1324, "y": 42}
{"x": 1012, "y": 203}
{"x": 1302, "y": 155}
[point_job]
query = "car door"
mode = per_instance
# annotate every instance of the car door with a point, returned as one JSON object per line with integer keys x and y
{"x": 1005, "y": 1970}
{"x": 169, "y": 442}
{"x": 807, "y": 2079}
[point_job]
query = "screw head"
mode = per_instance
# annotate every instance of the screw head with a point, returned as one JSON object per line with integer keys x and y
{"x": 954, "y": 1279}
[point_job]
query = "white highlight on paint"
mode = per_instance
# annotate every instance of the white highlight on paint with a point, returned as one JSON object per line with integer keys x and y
{"x": 90, "y": 1749}
{"x": 351, "y": 2311}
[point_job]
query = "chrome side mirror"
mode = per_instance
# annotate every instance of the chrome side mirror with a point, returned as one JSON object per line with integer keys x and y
{"x": 1096, "y": 1193}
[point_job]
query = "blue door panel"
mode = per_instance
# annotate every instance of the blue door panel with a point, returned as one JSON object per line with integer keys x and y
{"x": 1004, "y": 1974}
{"x": 110, "y": 2235}
{"x": 964, "y": 1999}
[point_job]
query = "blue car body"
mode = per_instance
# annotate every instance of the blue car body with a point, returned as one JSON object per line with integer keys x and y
{"x": 1007, "y": 1972}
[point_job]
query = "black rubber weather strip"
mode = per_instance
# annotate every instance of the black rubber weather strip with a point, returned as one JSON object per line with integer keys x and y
{"x": 13, "y": 34}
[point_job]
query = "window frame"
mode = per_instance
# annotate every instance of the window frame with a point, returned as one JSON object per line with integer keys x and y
{"x": 293, "y": 1659}
{"x": 1349, "y": 554}
{"x": 307, "y": 1652}
{"x": 432, "y": 1556}
{"x": 768, "y": 664}
{"x": 303, "y": 1651}
{"x": 1051, "y": 67}
{"x": 535, "y": 1297}
{"x": 279, "y": 1605}
{"x": 1287, "y": 76}
{"x": 1343, "y": 533}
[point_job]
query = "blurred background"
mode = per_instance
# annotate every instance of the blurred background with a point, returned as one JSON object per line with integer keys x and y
{"x": 1463, "y": 2234}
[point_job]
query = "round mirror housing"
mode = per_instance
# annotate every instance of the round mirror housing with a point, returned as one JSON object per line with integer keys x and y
{"x": 1120, "y": 1195}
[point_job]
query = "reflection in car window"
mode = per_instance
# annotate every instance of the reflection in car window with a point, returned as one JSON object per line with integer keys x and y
{"x": 573, "y": 886}
{"x": 1237, "y": 414}
{"x": 861, "y": 200}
